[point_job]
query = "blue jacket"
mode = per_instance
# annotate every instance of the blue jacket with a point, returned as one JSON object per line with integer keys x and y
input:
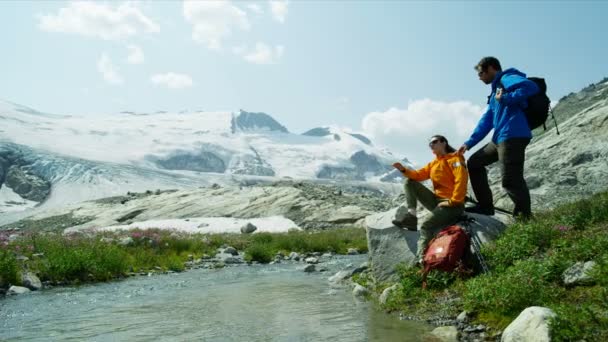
{"x": 507, "y": 116}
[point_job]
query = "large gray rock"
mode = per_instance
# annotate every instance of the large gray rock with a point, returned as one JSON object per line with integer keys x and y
{"x": 31, "y": 281}
{"x": 294, "y": 256}
{"x": 248, "y": 228}
{"x": 227, "y": 258}
{"x": 340, "y": 276}
{"x": 17, "y": 290}
{"x": 360, "y": 291}
{"x": 390, "y": 246}
{"x": 387, "y": 293}
{"x": 126, "y": 241}
{"x": 231, "y": 250}
{"x": 312, "y": 260}
{"x": 532, "y": 324}
{"x": 309, "y": 268}
{"x": 446, "y": 334}
{"x": 579, "y": 274}
{"x": 27, "y": 185}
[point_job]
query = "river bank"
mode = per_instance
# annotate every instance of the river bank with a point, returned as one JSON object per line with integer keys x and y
{"x": 558, "y": 261}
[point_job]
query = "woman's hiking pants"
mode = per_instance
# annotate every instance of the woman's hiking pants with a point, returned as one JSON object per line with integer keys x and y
{"x": 439, "y": 218}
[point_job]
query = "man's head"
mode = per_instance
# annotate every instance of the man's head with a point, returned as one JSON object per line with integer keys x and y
{"x": 487, "y": 68}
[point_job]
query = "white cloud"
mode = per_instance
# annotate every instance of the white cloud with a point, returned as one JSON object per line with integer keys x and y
{"x": 279, "y": 10}
{"x": 108, "y": 70}
{"x": 255, "y": 8}
{"x": 212, "y": 21}
{"x": 408, "y": 130}
{"x": 136, "y": 55}
{"x": 172, "y": 80}
{"x": 98, "y": 20}
{"x": 264, "y": 54}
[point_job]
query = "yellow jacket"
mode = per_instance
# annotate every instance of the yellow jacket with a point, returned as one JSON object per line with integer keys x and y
{"x": 449, "y": 176}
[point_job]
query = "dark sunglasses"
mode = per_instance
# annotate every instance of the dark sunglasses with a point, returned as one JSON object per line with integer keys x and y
{"x": 433, "y": 142}
{"x": 480, "y": 73}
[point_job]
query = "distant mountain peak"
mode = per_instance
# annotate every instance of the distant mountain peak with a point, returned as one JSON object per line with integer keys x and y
{"x": 255, "y": 122}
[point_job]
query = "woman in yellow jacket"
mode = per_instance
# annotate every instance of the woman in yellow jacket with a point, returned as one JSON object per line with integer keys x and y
{"x": 449, "y": 176}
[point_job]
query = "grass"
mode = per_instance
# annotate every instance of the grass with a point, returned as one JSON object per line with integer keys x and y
{"x": 100, "y": 257}
{"x": 527, "y": 263}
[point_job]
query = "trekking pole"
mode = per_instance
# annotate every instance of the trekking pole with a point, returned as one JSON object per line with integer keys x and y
{"x": 500, "y": 210}
{"x": 476, "y": 244}
{"x": 554, "y": 120}
{"x": 477, "y": 249}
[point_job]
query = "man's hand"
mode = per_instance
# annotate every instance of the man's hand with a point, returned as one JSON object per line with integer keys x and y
{"x": 399, "y": 167}
{"x": 498, "y": 95}
{"x": 463, "y": 149}
{"x": 443, "y": 204}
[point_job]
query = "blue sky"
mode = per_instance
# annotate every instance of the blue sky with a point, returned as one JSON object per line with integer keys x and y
{"x": 397, "y": 71}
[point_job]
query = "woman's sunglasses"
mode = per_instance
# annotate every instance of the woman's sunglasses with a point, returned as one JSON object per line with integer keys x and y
{"x": 433, "y": 142}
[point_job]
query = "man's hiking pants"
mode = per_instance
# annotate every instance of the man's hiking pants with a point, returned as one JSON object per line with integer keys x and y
{"x": 511, "y": 155}
{"x": 439, "y": 218}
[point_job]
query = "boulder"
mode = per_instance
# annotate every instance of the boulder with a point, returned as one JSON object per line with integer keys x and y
{"x": 340, "y": 276}
{"x": 27, "y": 185}
{"x": 31, "y": 281}
{"x": 390, "y": 246}
{"x": 309, "y": 268}
{"x": 231, "y": 250}
{"x": 312, "y": 260}
{"x": 17, "y": 290}
{"x": 387, "y": 293}
{"x": 227, "y": 258}
{"x": 294, "y": 256}
{"x": 532, "y": 324}
{"x": 579, "y": 274}
{"x": 352, "y": 251}
{"x": 360, "y": 291}
{"x": 248, "y": 228}
{"x": 463, "y": 317}
{"x": 126, "y": 241}
{"x": 446, "y": 334}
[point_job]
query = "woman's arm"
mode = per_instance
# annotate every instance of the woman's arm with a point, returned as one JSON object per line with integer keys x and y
{"x": 420, "y": 174}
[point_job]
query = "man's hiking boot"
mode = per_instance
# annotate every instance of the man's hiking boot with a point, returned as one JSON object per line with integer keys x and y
{"x": 409, "y": 222}
{"x": 477, "y": 209}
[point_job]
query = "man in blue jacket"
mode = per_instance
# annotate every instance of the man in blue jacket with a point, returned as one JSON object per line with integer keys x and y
{"x": 510, "y": 91}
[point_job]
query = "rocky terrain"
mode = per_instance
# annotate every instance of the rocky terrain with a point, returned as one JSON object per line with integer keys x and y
{"x": 309, "y": 206}
{"x": 572, "y": 165}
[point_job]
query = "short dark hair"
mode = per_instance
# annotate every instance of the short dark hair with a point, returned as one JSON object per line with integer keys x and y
{"x": 487, "y": 62}
{"x": 441, "y": 138}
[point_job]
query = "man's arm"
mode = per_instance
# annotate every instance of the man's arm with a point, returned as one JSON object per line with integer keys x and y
{"x": 484, "y": 126}
{"x": 518, "y": 93}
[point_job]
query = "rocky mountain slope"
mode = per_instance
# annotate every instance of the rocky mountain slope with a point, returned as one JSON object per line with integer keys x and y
{"x": 572, "y": 165}
{"x": 307, "y": 205}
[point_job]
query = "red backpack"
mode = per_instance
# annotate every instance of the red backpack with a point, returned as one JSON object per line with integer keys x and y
{"x": 445, "y": 251}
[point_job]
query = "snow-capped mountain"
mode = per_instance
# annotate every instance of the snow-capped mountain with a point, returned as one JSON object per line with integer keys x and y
{"x": 135, "y": 151}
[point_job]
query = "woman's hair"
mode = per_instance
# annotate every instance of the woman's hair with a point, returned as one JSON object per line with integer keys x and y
{"x": 441, "y": 138}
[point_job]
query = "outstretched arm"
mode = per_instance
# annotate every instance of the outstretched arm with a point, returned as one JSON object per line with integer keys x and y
{"x": 484, "y": 126}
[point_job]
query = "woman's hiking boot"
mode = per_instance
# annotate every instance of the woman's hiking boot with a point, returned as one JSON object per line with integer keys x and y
{"x": 409, "y": 222}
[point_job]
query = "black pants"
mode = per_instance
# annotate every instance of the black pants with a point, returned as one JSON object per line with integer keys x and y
{"x": 511, "y": 155}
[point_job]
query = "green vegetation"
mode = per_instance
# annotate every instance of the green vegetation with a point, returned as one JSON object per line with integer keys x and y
{"x": 100, "y": 257}
{"x": 527, "y": 263}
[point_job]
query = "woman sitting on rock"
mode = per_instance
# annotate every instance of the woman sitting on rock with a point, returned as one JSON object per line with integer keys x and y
{"x": 449, "y": 176}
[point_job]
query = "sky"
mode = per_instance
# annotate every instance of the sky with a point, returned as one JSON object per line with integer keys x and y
{"x": 396, "y": 71}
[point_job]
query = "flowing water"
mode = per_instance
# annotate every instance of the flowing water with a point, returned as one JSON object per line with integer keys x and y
{"x": 243, "y": 303}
